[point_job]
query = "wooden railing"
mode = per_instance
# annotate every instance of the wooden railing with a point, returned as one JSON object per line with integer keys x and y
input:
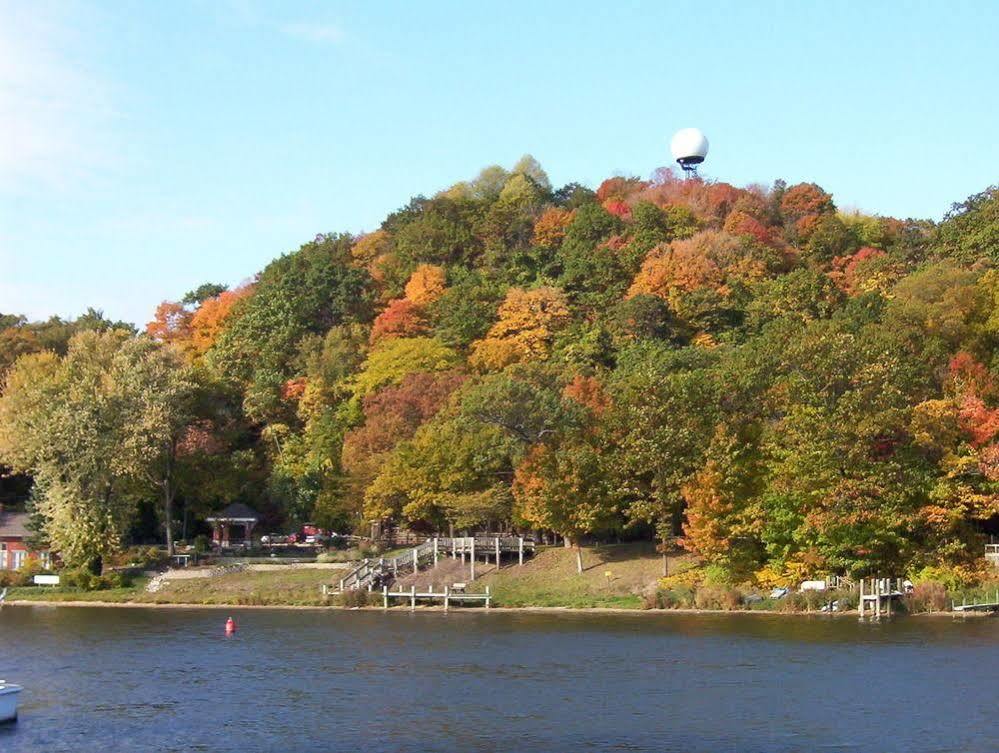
{"x": 373, "y": 573}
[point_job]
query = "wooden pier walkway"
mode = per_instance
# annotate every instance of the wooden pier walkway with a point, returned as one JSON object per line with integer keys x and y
{"x": 371, "y": 574}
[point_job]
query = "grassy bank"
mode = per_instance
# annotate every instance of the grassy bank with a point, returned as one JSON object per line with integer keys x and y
{"x": 613, "y": 576}
{"x": 49, "y": 593}
{"x": 291, "y": 586}
{"x": 621, "y": 576}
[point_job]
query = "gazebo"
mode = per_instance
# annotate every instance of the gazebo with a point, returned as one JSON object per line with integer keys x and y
{"x": 233, "y": 527}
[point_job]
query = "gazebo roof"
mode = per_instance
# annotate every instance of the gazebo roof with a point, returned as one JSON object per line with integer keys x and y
{"x": 236, "y": 511}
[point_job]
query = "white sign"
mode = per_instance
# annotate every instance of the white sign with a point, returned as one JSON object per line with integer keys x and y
{"x": 46, "y": 580}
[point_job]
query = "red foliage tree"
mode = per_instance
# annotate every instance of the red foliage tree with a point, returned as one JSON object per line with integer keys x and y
{"x": 618, "y": 207}
{"x": 619, "y": 189}
{"x": 966, "y": 375}
{"x": 740, "y": 223}
{"x": 849, "y": 271}
{"x": 401, "y": 318}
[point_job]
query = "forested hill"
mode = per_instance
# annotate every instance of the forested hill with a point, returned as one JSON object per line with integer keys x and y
{"x": 780, "y": 386}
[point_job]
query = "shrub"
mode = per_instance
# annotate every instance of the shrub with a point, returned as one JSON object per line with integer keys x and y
{"x": 144, "y": 557}
{"x": 716, "y": 575}
{"x": 952, "y": 578}
{"x": 687, "y": 574}
{"x": 717, "y": 597}
{"x": 80, "y": 578}
{"x": 681, "y": 597}
{"x": 25, "y": 575}
{"x": 928, "y": 596}
{"x": 85, "y": 580}
{"x": 345, "y": 555}
{"x": 848, "y": 600}
{"x": 202, "y": 544}
{"x": 369, "y": 548}
{"x": 806, "y": 601}
{"x": 358, "y": 598}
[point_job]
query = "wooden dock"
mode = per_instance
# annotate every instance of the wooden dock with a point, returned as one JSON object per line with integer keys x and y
{"x": 447, "y": 597}
{"x": 879, "y": 595}
{"x": 981, "y": 607}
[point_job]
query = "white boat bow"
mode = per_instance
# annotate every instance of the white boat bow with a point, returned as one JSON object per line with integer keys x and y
{"x": 8, "y": 701}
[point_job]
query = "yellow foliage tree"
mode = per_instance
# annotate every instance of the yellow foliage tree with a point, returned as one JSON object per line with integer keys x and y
{"x": 527, "y": 321}
{"x": 369, "y": 247}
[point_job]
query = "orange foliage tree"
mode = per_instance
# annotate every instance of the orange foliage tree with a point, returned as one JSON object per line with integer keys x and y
{"x": 708, "y": 530}
{"x": 426, "y": 285}
{"x": 171, "y": 323}
{"x": 209, "y": 320}
{"x": 619, "y": 189}
{"x": 588, "y": 392}
{"x": 549, "y": 228}
{"x": 690, "y": 264}
{"x": 805, "y": 199}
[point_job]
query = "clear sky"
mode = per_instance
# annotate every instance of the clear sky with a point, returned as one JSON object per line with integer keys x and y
{"x": 146, "y": 147}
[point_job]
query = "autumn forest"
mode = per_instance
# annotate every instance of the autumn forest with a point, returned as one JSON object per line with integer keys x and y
{"x": 754, "y": 375}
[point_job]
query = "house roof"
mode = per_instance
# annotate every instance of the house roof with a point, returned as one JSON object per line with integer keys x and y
{"x": 14, "y": 525}
{"x": 236, "y": 511}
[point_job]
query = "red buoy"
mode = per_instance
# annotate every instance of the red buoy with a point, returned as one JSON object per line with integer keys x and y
{"x": 230, "y": 626}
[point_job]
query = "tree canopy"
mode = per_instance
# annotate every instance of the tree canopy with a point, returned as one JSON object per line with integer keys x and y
{"x": 751, "y": 373}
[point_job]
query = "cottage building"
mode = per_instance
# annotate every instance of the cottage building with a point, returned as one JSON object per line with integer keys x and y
{"x": 14, "y": 535}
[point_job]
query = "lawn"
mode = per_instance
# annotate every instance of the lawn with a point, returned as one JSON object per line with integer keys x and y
{"x": 292, "y": 586}
{"x": 614, "y": 575}
{"x": 57, "y": 593}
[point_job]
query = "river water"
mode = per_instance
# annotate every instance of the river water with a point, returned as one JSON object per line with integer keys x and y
{"x": 169, "y": 680}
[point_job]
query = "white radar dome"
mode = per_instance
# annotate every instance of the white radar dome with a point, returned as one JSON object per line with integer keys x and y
{"x": 689, "y": 147}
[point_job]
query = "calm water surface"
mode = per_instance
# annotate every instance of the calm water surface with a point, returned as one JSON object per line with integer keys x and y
{"x": 168, "y": 680}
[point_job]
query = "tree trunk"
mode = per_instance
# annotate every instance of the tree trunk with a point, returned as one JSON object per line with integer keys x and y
{"x": 168, "y": 492}
{"x": 579, "y": 556}
{"x": 168, "y": 517}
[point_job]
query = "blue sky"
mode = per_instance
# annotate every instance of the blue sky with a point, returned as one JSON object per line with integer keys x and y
{"x": 148, "y": 147}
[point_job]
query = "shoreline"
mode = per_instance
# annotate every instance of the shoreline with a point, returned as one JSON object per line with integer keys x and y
{"x": 474, "y": 610}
